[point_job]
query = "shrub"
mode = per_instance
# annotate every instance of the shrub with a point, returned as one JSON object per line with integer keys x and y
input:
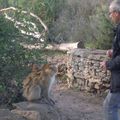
{"x": 100, "y": 34}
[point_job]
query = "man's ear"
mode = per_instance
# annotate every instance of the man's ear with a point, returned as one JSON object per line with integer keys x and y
{"x": 117, "y": 14}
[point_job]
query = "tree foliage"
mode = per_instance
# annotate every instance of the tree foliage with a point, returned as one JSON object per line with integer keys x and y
{"x": 100, "y": 33}
{"x": 15, "y": 57}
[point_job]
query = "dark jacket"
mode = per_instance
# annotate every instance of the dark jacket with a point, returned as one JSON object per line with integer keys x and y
{"x": 114, "y": 64}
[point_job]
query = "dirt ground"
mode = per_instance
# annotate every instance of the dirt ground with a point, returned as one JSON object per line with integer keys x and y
{"x": 76, "y": 105}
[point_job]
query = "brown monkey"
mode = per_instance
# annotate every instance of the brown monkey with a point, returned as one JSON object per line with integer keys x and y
{"x": 38, "y": 83}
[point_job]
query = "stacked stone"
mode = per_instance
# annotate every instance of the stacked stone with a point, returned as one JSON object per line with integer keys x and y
{"x": 61, "y": 73}
{"x": 84, "y": 70}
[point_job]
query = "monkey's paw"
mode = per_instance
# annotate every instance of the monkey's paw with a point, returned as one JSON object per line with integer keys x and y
{"x": 51, "y": 102}
{"x": 48, "y": 101}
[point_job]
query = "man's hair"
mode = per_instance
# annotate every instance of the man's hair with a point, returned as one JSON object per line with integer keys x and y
{"x": 115, "y": 6}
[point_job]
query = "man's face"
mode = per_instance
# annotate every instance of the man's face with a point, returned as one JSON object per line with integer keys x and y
{"x": 114, "y": 16}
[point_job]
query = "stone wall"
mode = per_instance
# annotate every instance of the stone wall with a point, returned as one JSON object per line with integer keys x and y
{"x": 84, "y": 72}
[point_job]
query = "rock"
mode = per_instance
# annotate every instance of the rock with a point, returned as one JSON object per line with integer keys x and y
{"x": 29, "y": 114}
{"x": 6, "y": 114}
{"x": 84, "y": 66}
{"x": 37, "y": 111}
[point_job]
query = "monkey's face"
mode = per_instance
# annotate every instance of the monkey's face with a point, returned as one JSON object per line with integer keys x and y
{"x": 53, "y": 70}
{"x": 50, "y": 69}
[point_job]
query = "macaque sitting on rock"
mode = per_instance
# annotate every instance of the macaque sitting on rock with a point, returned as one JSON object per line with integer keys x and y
{"x": 37, "y": 85}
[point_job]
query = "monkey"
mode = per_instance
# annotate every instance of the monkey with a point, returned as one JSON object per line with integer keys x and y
{"x": 30, "y": 91}
{"x": 38, "y": 84}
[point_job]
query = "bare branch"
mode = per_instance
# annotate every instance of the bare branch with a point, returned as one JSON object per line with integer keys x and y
{"x": 20, "y": 24}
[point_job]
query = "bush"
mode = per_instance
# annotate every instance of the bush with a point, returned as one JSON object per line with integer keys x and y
{"x": 72, "y": 21}
{"x": 14, "y": 61}
{"x": 100, "y": 34}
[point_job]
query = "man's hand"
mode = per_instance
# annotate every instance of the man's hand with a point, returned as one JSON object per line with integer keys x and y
{"x": 103, "y": 65}
{"x": 109, "y": 53}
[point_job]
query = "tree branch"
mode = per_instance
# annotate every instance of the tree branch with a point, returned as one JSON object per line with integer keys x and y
{"x": 17, "y": 23}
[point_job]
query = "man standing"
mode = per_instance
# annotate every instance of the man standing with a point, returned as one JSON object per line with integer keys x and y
{"x": 112, "y": 101}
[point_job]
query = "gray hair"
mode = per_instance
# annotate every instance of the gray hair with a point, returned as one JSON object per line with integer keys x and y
{"x": 115, "y": 6}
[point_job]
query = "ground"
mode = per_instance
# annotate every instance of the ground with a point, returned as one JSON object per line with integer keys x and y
{"x": 76, "y": 105}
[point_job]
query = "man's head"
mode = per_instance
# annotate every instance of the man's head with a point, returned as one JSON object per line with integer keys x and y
{"x": 114, "y": 11}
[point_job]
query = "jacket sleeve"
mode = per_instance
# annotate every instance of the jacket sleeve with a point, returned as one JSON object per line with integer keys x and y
{"x": 114, "y": 64}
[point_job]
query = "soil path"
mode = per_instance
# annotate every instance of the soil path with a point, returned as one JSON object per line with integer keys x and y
{"x": 76, "y": 105}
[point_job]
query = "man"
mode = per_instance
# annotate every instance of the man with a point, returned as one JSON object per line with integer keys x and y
{"x": 112, "y": 101}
